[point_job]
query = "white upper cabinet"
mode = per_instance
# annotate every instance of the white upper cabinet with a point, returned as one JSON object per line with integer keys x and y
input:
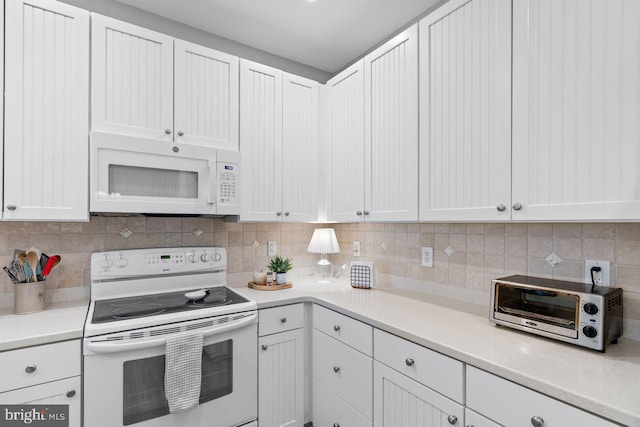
{"x": 345, "y": 171}
{"x": 206, "y": 96}
{"x": 46, "y": 165}
{"x": 576, "y": 110}
{"x": 299, "y": 149}
{"x": 147, "y": 84}
{"x": 465, "y": 112}
{"x": 279, "y": 145}
{"x": 391, "y": 129}
{"x": 132, "y": 80}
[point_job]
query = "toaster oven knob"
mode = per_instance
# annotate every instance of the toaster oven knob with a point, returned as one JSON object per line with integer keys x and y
{"x": 590, "y": 331}
{"x": 590, "y": 308}
{"x": 217, "y": 257}
{"x": 205, "y": 257}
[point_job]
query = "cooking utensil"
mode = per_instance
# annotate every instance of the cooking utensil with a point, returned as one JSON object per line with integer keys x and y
{"x": 52, "y": 262}
{"x": 18, "y": 271}
{"x": 28, "y": 273}
{"x": 43, "y": 260}
{"x": 32, "y": 259}
{"x": 13, "y": 278}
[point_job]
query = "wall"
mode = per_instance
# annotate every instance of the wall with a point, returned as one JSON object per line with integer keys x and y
{"x": 482, "y": 252}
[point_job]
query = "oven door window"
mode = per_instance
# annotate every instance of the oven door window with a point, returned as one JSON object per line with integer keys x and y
{"x": 143, "y": 382}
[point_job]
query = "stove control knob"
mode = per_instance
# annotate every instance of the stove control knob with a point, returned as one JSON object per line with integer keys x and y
{"x": 590, "y": 331}
{"x": 217, "y": 256}
{"x": 122, "y": 262}
{"x": 192, "y": 257}
{"x": 590, "y": 308}
{"x": 205, "y": 257}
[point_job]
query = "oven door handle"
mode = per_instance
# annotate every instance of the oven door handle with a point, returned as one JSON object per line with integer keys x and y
{"x": 128, "y": 345}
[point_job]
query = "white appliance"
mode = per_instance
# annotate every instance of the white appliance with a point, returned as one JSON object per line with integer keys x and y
{"x": 138, "y": 175}
{"x": 137, "y": 301}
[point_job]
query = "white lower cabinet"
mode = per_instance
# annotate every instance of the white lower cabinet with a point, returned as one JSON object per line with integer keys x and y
{"x": 473, "y": 419}
{"x": 331, "y": 411}
{"x": 281, "y": 369}
{"x": 510, "y": 404}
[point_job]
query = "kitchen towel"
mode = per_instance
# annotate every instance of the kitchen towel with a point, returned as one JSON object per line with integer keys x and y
{"x": 183, "y": 371}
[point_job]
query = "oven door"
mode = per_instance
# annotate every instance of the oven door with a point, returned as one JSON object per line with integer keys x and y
{"x": 549, "y": 310}
{"x": 124, "y": 376}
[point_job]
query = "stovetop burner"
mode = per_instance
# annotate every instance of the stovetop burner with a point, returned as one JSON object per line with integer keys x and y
{"x": 113, "y": 310}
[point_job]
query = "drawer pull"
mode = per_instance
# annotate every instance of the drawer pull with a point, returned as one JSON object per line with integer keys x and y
{"x": 336, "y": 328}
{"x": 30, "y": 369}
{"x": 452, "y": 419}
{"x": 409, "y": 362}
{"x": 336, "y": 369}
{"x": 264, "y": 346}
{"x": 336, "y": 425}
{"x": 283, "y": 320}
{"x": 537, "y": 421}
{"x": 71, "y": 393}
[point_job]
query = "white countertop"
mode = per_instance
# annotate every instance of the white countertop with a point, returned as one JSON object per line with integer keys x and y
{"x": 605, "y": 384}
{"x": 59, "y": 322}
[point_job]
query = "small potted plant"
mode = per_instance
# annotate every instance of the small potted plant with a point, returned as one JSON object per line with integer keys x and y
{"x": 280, "y": 266}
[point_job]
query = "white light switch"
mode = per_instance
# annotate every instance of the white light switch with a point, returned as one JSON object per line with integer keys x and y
{"x": 427, "y": 257}
{"x": 272, "y": 248}
{"x": 356, "y": 248}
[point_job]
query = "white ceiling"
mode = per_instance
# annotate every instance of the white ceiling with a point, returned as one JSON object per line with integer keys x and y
{"x": 324, "y": 34}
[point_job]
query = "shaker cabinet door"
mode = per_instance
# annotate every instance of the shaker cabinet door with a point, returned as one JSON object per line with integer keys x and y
{"x": 465, "y": 112}
{"x": 132, "y": 80}
{"x": 576, "y": 110}
{"x": 206, "y": 96}
{"x": 46, "y": 163}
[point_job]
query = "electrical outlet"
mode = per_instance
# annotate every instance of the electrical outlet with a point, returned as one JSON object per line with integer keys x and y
{"x": 272, "y": 248}
{"x": 602, "y": 277}
{"x": 427, "y": 257}
{"x": 356, "y": 248}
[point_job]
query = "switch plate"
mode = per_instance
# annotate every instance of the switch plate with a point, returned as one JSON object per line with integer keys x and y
{"x": 603, "y": 277}
{"x": 427, "y": 257}
{"x": 272, "y": 248}
{"x": 356, "y": 248}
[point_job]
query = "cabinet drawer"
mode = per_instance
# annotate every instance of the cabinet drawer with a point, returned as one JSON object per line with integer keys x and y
{"x": 329, "y": 410}
{"x": 440, "y": 373}
{"x": 280, "y": 319}
{"x": 473, "y": 419}
{"x": 510, "y": 404}
{"x": 345, "y": 371}
{"x": 40, "y": 364}
{"x": 350, "y": 331}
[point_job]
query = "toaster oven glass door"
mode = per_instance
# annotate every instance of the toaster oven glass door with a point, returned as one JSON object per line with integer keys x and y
{"x": 548, "y": 310}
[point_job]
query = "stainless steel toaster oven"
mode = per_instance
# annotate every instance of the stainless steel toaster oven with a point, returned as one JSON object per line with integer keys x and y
{"x": 577, "y": 313}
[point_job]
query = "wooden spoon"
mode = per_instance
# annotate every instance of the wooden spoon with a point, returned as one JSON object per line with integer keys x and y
{"x": 32, "y": 259}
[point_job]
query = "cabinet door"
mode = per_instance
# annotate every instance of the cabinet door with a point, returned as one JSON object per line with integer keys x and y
{"x": 62, "y": 392}
{"x": 131, "y": 80}
{"x": 261, "y": 141}
{"x": 391, "y": 129}
{"x": 399, "y": 401}
{"x": 345, "y": 175}
{"x": 465, "y": 111}
{"x": 206, "y": 96}
{"x": 576, "y": 110}
{"x": 46, "y": 147}
{"x": 300, "y": 149}
{"x": 281, "y": 379}
{"x": 473, "y": 419}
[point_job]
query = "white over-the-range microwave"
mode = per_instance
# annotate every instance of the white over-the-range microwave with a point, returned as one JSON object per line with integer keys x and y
{"x": 138, "y": 175}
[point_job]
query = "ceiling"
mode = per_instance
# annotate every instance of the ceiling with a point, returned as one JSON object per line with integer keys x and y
{"x": 323, "y": 34}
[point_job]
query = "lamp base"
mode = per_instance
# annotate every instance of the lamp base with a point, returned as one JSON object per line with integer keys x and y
{"x": 325, "y": 270}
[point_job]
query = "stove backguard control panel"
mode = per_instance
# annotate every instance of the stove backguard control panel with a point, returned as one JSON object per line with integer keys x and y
{"x": 145, "y": 262}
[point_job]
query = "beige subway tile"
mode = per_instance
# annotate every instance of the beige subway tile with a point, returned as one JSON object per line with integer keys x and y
{"x": 188, "y": 239}
{"x": 599, "y": 249}
{"x": 248, "y": 264}
{"x": 172, "y": 224}
{"x": 427, "y": 239}
{"x": 458, "y": 242}
{"x": 427, "y": 274}
{"x": 400, "y": 252}
{"x": 515, "y": 229}
{"x": 234, "y": 226}
{"x": 136, "y": 241}
{"x": 475, "y": 243}
{"x": 494, "y": 245}
{"x": 567, "y": 230}
{"x": 71, "y": 227}
{"x": 248, "y": 227}
{"x": 458, "y": 277}
{"x": 441, "y": 275}
{"x": 414, "y": 270}
{"x": 458, "y": 260}
{"x": 427, "y": 228}
{"x": 234, "y": 252}
{"x": 628, "y": 278}
{"x": 475, "y": 262}
{"x": 96, "y": 224}
{"x": 539, "y": 230}
{"x": 221, "y": 238}
{"x": 401, "y": 240}
{"x": 172, "y": 239}
{"x": 494, "y": 229}
{"x": 70, "y": 279}
{"x": 457, "y": 228}
{"x": 189, "y": 224}
{"x": 568, "y": 248}
{"x": 115, "y": 224}
{"x": 400, "y": 267}
{"x": 155, "y": 224}
{"x": 235, "y": 238}
{"x": 402, "y": 228}
{"x": 515, "y": 246}
{"x": 413, "y": 240}
{"x": 629, "y": 231}
{"x": 539, "y": 247}
{"x": 628, "y": 252}
{"x": 248, "y": 237}
{"x": 137, "y": 224}
{"x": 475, "y": 280}
{"x": 262, "y": 226}
{"x": 413, "y": 228}
{"x": 494, "y": 264}
{"x": 153, "y": 240}
{"x": 441, "y": 241}
{"x": 475, "y": 228}
{"x": 69, "y": 242}
{"x": 114, "y": 242}
{"x": 599, "y": 231}
{"x": 569, "y": 270}
{"x": 631, "y": 305}
{"x": 441, "y": 228}
{"x": 539, "y": 267}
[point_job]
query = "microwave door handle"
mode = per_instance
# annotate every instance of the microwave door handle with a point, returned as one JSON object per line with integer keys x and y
{"x": 212, "y": 183}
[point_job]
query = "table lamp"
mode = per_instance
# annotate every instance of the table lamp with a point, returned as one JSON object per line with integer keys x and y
{"x": 324, "y": 241}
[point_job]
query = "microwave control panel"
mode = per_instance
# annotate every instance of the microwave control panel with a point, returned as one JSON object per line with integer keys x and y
{"x": 228, "y": 183}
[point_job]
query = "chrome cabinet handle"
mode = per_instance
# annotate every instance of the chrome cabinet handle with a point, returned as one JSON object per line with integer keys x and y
{"x": 264, "y": 346}
{"x": 71, "y": 393}
{"x": 167, "y": 131}
{"x": 336, "y": 369}
{"x": 537, "y": 421}
{"x": 517, "y": 206}
{"x": 452, "y": 419}
{"x": 283, "y": 320}
{"x": 180, "y": 133}
{"x": 409, "y": 361}
{"x": 359, "y": 213}
{"x": 30, "y": 369}
{"x": 11, "y": 207}
{"x": 366, "y": 212}
{"x": 279, "y": 213}
{"x": 286, "y": 214}
{"x": 501, "y": 207}
{"x": 336, "y": 425}
{"x": 336, "y": 328}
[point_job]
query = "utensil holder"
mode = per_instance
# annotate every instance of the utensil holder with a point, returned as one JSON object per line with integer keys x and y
{"x": 28, "y": 297}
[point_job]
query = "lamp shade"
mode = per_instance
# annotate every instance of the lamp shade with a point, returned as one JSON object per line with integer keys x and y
{"x": 324, "y": 241}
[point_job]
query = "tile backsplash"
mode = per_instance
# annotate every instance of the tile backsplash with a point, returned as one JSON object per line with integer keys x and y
{"x": 465, "y": 255}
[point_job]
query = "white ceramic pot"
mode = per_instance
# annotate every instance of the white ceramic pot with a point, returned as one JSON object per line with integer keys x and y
{"x": 281, "y": 278}
{"x": 260, "y": 277}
